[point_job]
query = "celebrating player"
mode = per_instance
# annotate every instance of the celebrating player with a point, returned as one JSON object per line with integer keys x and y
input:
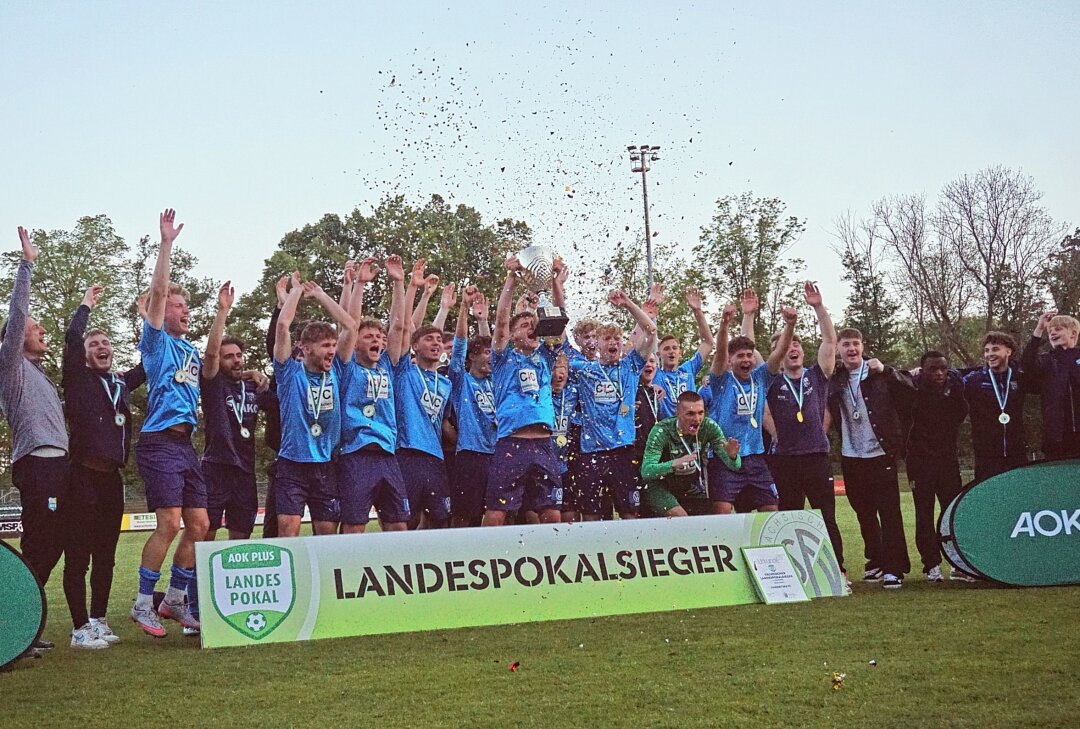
{"x": 995, "y": 394}
{"x": 675, "y": 377}
{"x": 1056, "y": 375}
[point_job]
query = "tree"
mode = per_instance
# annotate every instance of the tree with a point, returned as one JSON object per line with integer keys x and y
{"x": 458, "y": 246}
{"x": 743, "y": 247}
{"x": 1003, "y": 237}
{"x": 870, "y": 308}
{"x": 1062, "y": 276}
{"x": 931, "y": 279}
{"x": 69, "y": 263}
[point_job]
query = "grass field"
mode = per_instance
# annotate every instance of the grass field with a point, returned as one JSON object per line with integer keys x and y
{"x": 948, "y": 655}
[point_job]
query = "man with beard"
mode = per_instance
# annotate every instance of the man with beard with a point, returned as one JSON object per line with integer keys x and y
{"x": 933, "y": 463}
{"x": 1056, "y": 376}
{"x": 97, "y": 409}
{"x": 797, "y": 403}
{"x": 421, "y": 395}
{"x": 870, "y": 404}
{"x": 995, "y": 394}
{"x": 309, "y": 397}
{"x": 473, "y": 400}
{"x": 674, "y": 466}
{"x": 675, "y": 377}
{"x": 368, "y": 470}
{"x": 738, "y": 405}
{"x": 606, "y": 391}
{"x": 525, "y": 470}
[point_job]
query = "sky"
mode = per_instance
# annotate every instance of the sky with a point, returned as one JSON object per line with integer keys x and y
{"x": 254, "y": 119}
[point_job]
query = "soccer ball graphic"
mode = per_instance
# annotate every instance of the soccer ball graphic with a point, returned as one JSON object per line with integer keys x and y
{"x": 256, "y": 622}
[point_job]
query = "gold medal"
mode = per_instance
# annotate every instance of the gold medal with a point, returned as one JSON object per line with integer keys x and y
{"x": 798, "y": 416}
{"x": 624, "y": 409}
{"x": 316, "y": 430}
{"x": 244, "y": 433}
{"x": 1004, "y": 418}
{"x": 753, "y": 422}
{"x": 180, "y": 377}
{"x": 120, "y": 419}
{"x": 561, "y": 441}
{"x": 369, "y": 411}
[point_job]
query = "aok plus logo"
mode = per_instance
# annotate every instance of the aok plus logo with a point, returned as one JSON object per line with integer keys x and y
{"x": 1046, "y": 523}
{"x": 253, "y": 587}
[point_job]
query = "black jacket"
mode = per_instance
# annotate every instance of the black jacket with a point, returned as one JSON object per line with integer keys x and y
{"x": 888, "y": 396}
{"x": 989, "y": 438}
{"x": 95, "y": 436}
{"x": 1056, "y": 375}
{"x": 936, "y": 416}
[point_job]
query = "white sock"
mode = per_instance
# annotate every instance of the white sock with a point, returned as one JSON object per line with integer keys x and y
{"x": 174, "y": 596}
{"x": 144, "y": 602}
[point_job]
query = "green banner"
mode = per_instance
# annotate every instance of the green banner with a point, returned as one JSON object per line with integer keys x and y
{"x": 325, "y": 587}
{"x": 22, "y": 605}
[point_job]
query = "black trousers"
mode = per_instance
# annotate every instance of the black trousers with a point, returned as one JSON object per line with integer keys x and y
{"x": 43, "y": 486}
{"x": 873, "y": 490}
{"x": 92, "y": 517}
{"x": 808, "y": 477}
{"x": 270, "y": 525}
{"x": 931, "y": 479}
{"x": 987, "y": 466}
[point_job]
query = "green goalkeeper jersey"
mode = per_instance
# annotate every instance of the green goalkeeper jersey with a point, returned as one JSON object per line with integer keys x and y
{"x": 666, "y": 443}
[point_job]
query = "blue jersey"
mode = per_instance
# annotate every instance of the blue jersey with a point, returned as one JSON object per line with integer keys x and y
{"x": 420, "y": 398}
{"x": 169, "y": 402}
{"x": 522, "y": 388}
{"x": 368, "y": 395}
{"x": 739, "y": 407}
{"x": 473, "y": 401}
{"x": 607, "y": 394}
{"x": 307, "y": 398}
{"x": 675, "y": 383}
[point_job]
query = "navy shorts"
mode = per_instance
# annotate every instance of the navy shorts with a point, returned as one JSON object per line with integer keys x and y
{"x": 470, "y": 478}
{"x": 425, "y": 483}
{"x": 611, "y": 473}
{"x": 752, "y": 482}
{"x": 231, "y": 496}
{"x": 525, "y": 474}
{"x": 369, "y": 478}
{"x": 170, "y": 471}
{"x": 306, "y": 484}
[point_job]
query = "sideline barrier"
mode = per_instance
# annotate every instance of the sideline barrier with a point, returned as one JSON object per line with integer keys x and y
{"x": 22, "y": 605}
{"x": 1021, "y": 527}
{"x": 334, "y": 586}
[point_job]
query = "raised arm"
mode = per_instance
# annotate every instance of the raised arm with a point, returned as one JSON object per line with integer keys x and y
{"x": 705, "y": 337}
{"x": 447, "y": 301}
{"x": 159, "y": 283}
{"x": 346, "y": 325}
{"x": 73, "y": 338}
{"x": 18, "y": 310}
{"x": 720, "y": 356}
{"x": 282, "y": 337}
{"x": 648, "y": 339}
{"x": 480, "y": 313}
{"x": 776, "y": 357}
{"x": 560, "y": 273}
{"x": 280, "y": 288}
{"x": 468, "y": 296}
{"x": 395, "y": 343}
{"x": 364, "y": 274}
{"x": 427, "y": 285}
{"x": 211, "y": 358}
{"x": 750, "y": 307}
{"x": 502, "y": 308}
{"x": 826, "y": 354}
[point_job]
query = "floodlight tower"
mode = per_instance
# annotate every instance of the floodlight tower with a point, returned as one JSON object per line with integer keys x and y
{"x": 641, "y": 159}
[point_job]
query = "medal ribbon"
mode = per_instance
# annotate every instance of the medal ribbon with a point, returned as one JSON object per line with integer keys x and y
{"x": 851, "y": 393}
{"x": 1002, "y": 398}
{"x": 315, "y": 403}
{"x": 791, "y": 386}
{"x": 618, "y": 387}
{"x": 423, "y": 380}
{"x": 114, "y": 398}
{"x": 239, "y": 412}
{"x": 753, "y": 394}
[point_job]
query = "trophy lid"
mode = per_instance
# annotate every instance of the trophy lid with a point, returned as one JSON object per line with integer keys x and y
{"x": 537, "y": 263}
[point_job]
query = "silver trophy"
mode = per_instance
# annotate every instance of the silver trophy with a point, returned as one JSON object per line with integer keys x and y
{"x": 537, "y": 264}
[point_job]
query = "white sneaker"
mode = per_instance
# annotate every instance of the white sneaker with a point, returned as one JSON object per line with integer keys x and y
{"x": 961, "y": 576}
{"x": 104, "y": 631}
{"x": 191, "y": 632}
{"x": 934, "y": 575}
{"x": 86, "y": 638}
{"x": 892, "y": 582}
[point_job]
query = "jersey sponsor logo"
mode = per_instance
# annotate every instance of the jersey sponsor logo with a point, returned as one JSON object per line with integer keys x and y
{"x": 432, "y": 404}
{"x": 321, "y": 396}
{"x": 250, "y": 406}
{"x": 744, "y": 403}
{"x": 485, "y": 402}
{"x": 605, "y": 393}
{"x": 378, "y": 387}
{"x": 562, "y": 422}
{"x": 528, "y": 381}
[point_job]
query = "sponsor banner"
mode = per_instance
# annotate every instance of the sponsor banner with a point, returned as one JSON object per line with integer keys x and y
{"x": 1021, "y": 527}
{"x": 333, "y": 586}
{"x": 11, "y": 520}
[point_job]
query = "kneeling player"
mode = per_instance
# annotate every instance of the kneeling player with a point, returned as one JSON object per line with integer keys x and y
{"x": 674, "y": 467}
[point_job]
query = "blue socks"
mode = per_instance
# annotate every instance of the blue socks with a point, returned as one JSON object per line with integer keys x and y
{"x": 193, "y": 593}
{"x": 178, "y": 585}
{"x": 147, "y": 580}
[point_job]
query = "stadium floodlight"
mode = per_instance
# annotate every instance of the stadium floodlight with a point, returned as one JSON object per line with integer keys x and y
{"x": 641, "y": 159}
